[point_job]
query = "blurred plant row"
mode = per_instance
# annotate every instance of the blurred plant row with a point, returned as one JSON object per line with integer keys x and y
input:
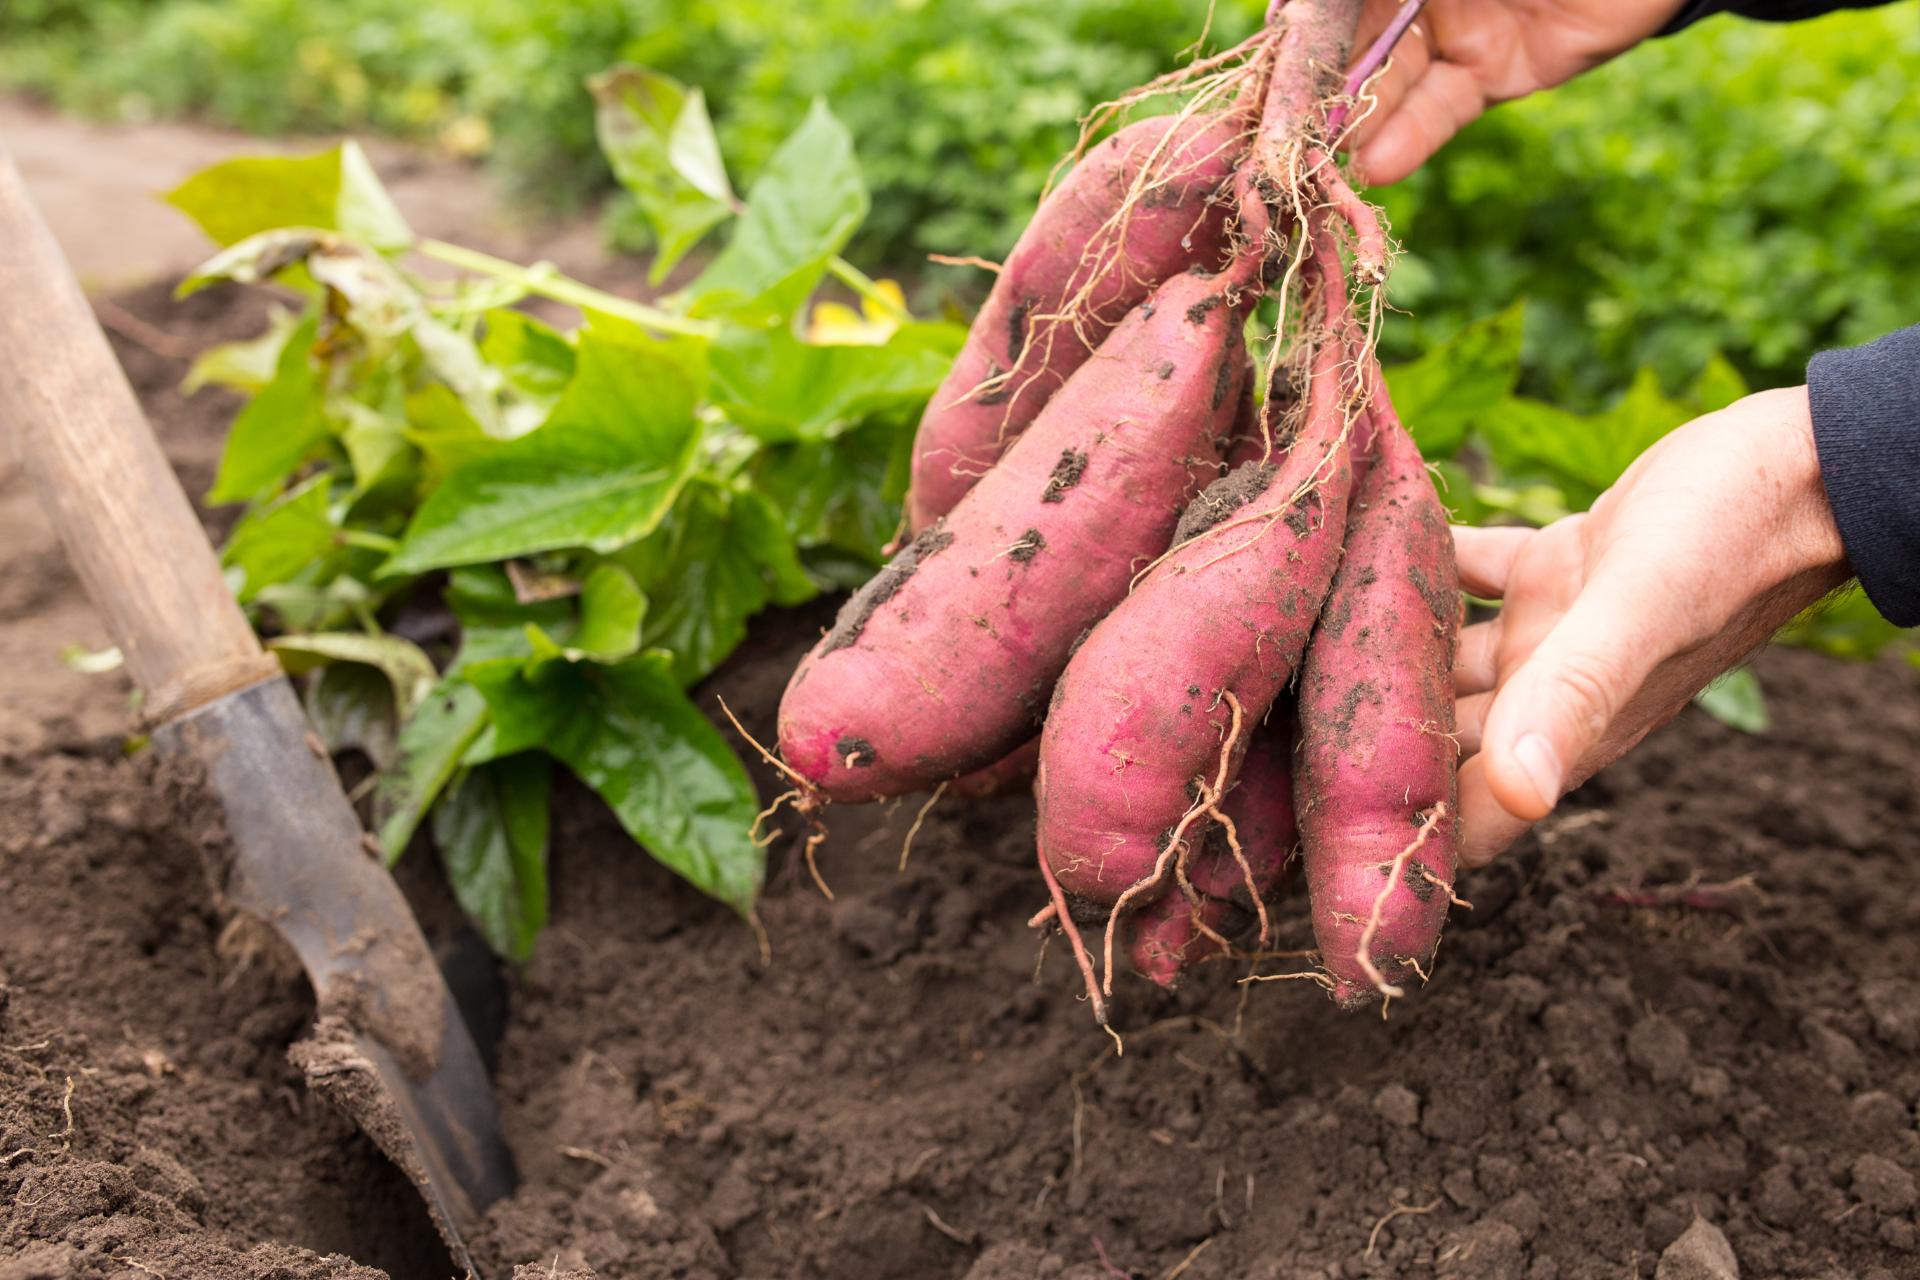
{"x": 1742, "y": 190}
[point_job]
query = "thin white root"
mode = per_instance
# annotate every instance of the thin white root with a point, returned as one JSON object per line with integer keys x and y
{"x": 1363, "y": 954}
{"x": 906, "y": 846}
{"x": 1176, "y": 841}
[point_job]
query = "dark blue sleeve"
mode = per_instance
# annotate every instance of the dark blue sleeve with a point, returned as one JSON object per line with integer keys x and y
{"x": 1766, "y": 10}
{"x": 1866, "y": 426}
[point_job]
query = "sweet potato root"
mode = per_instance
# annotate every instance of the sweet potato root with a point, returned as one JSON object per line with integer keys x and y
{"x": 1375, "y": 781}
{"x": 1246, "y": 863}
{"x": 1139, "y": 208}
{"x": 1151, "y": 718}
{"x": 943, "y": 662}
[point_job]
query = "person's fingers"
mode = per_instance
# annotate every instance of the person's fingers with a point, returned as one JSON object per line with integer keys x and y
{"x": 1558, "y": 704}
{"x": 1486, "y": 557}
{"x": 1475, "y": 664}
{"x": 1486, "y": 829}
{"x": 1381, "y": 96}
{"x": 1374, "y": 17}
{"x": 1437, "y": 105}
{"x": 1470, "y": 722}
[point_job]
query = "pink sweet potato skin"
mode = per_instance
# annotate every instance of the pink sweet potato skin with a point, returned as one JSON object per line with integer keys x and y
{"x": 1163, "y": 939}
{"x": 1176, "y": 225}
{"x": 1260, "y": 806}
{"x": 1140, "y": 713}
{"x": 1011, "y": 773}
{"x": 1242, "y": 443}
{"x": 943, "y": 663}
{"x": 1376, "y": 709}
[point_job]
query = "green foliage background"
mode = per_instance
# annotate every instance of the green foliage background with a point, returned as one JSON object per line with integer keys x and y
{"x": 1585, "y": 271}
{"x": 1741, "y": 189}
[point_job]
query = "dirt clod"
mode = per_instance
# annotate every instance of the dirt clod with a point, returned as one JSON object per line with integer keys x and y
{"x": 1222, "y": 498}
{"x": 1883, "y": 1184}
{"x": 1701, "y": 1253}
{"x": 1659, "y": 1047}
{"x": 1066, "y": 474}
{"x": 884, "y": 585}
{"x": 1398, "y": 1106}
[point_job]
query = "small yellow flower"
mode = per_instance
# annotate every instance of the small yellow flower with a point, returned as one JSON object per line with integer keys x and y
{"x": 834, "y": 324}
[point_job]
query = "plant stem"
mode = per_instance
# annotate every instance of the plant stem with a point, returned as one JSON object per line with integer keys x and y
{"x": 861, "y": 283}
{"x": 547, "y": 282}
{"x": 1372, "y": 60}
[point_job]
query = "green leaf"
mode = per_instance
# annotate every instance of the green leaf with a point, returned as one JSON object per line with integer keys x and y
{"x": 611, "y": 607}
{"x": 629, "y": 733}
{"x": 408, "y": 669}
{"x": 383, "y": 459}
{"x": 440, "y": 426}
{"x": 1718, "y": 386}
{"x": 536, "y": 361}
{"x": 92, "y": 662}
{"x": 257, "y": 259}
{"x": 334, "y": 190}
{"x": 370, "y": 297}
{"x": 431, "y": 742}
{"x": 1735, "y": 700}
{"x": 781, "y": 388}
{"x": 660, "y": 142}
{"x": 1453, "y": 386}
{"x": 718, "y": 560}
{"x": 493, "y": 619}
{"x": 280, "y": 428}
{"x": 601, "y": 472}
{"x": 1588, "y": 454}
{"x": 843, "y": 494}
{"x": 274, "y": 542}
{"x": 248, "y": 365}
{"x": 800, "y": 213}
{"x": 492, "y": 831}
{"x": 323, "y": 598}
{"x": 351, "y": 707}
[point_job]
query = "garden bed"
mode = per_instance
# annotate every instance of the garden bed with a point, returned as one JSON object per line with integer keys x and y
{"x": 1687, "y": 995}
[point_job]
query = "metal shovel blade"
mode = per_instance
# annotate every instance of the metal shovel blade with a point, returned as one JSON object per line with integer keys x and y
{"x": 390, "y": 1048}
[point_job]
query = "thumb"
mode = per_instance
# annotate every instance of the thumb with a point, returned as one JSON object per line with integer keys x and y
{"x": 1558, "y": 704}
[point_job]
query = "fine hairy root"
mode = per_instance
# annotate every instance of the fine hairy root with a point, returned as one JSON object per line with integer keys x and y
{"x": 1363, "y": 954}
{"x": 1177, "y": 850}
{"x": 804, "y": 798}
{"x": 1067, "y": 926}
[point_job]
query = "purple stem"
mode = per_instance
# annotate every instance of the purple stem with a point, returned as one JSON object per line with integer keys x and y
{"x": 1374, "y": 58}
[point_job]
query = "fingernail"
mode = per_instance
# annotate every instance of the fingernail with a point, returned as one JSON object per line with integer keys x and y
{"x": 1541, "y": 763}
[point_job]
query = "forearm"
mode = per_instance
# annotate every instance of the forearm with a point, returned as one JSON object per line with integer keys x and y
{"x": 1866, "y": 424}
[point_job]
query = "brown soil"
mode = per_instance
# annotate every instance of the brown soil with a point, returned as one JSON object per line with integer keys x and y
{"x": 1598, "y": 1059}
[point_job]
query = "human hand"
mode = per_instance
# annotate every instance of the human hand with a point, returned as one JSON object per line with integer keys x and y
{"x": 1462, "y": 56}
{"x": 1613, "y": 619}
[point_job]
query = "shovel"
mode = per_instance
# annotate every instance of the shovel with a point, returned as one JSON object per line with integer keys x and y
{"x": 390, "y": 1047}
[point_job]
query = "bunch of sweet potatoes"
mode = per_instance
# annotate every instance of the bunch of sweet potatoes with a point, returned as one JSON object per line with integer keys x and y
{"x": 1219, "y": 590}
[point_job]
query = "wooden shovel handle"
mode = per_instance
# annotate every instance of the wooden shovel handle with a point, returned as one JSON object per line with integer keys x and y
{"x": 79, "y": 434}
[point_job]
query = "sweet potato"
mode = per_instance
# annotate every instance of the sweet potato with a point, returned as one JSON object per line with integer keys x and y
{"x": 943, "y": 662}
{"x": 1242, "y": 443}
{"x": 1078, "y": 268}
{"x": 1010, "y": 773}
{"x": 1375, "y": 771}
{"x": 1151, "y": 718}
{"x": 1173, "y": 932}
